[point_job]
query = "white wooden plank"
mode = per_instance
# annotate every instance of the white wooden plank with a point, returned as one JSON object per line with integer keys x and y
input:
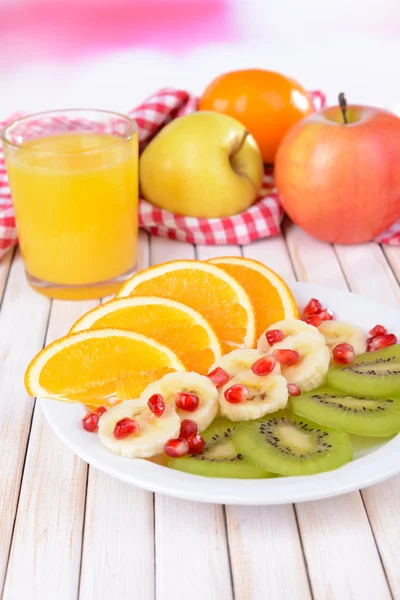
{"x": 207, "y": 252}
{"x": 274, "y": 254}
{"x": 342, "y": 558}
{"x": 368, "y": 272}
{"x": 118, "y": 555}
{"x": 188, "y": 534}
{"x": 23, "y": 321}
{"x": 191, "y": 551}
{"x": 5, "y": 265}
{"x": 383, "y": 507}
{"x": 266, "y": 555}
{"x": 382, "y": 501}
{"x": 314, "y": 261}
{"x": 321, "y": 523}
{"x": 48, "y": 530}
{"x": 143, "y": 255}
{"x": 163, "y": 250}
{"x": 392, "y": 254}
{"x": 118, "y": 524}
{"x": 256, "y": 534}
{"x": 49, "y": 521}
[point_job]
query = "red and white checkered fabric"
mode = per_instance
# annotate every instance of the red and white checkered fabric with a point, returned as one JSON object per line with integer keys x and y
{"x": 259, "y": 221}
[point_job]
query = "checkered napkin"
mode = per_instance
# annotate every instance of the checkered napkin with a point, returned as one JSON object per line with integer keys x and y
{"x": 259, "y": 221}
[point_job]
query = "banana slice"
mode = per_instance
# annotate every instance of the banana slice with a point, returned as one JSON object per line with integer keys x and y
{"x": 289, "y": 327}
{"x": 153, "y": 434}
{"x": 240, "y": 360}
{"x": 339, "y": 332}
{"x": 312, "y": 368}
{"x": 193, "y": 383}
{"x": 267, "y": 395}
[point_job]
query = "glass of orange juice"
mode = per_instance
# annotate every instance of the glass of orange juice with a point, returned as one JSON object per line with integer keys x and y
{"x": 74, "y": 182}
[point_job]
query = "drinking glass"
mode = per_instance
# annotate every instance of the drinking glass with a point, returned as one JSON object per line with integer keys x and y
{"x": 73, "y": 177}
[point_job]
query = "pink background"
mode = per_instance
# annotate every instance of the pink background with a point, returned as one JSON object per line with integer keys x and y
{"x": 70, "y": 29}
{"x": 112, "y": 53}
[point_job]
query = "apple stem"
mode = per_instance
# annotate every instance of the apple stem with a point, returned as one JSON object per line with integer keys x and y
{"x": 343, "y": 106}
{"x": 240, "y": 143}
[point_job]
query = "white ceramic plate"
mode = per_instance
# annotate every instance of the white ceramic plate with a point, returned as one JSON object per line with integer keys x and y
{"x": 375, "y": 459}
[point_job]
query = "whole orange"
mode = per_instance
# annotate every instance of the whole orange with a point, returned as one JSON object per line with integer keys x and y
{"x": 267, "y": 103}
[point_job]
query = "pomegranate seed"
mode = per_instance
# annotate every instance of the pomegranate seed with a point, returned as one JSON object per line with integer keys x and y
{"x": 126, "y": 427}
{"x": 382, "y": 341}
{"x": 314, "y": 320}
{"x": 293, "y": 389}
{"x": 378, "y": 330}
{"x": 274, "y": 335}
{"x": 219, "y": 377}
{"x": 196, "y": 444}
{"x": 287, "y": 358}
{"x": 237, "y": 393}
{"x": 326, "y": 315}
{"x": 176, "y": 447}
{"x": 264, "y": 365}
{"x": 156, "y": 404}
{"x": 90, "y": 421}
{"x": 187, "y": 401}
{"x": 188, "y": 428}
{"x": 101, "y": 410}
{"x": 313, "y": 308}
{"x": 343, "y": 354}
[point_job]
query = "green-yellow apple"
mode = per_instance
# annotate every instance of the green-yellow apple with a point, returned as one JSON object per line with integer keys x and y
{"x": 338, "y": 173}
{"x": 204, "y": 164}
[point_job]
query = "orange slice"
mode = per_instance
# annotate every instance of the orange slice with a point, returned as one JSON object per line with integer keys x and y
{"x": 99, "y": 367}
{"x": 172, "y": 323}
{"x": 269, "y": 294}
{"x": 209, "y": 290}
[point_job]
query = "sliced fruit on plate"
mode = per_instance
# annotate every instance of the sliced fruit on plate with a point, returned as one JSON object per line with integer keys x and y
{"x": 286, "y": 444}
{"x": 194, "y": 396}
{"x": 341, "y": 332}
{"x": 374, "y": 374}
{"x": 248, "y": 396}
{"x": 219, "y": 457}
{"x": 379, "y": 417}
{"x": 269, "y": 294}
{"x": 205, "y": 288}
{"x": 99, "y": 367}
{"x": 281, "y": 330}
{"x": 240, "y": 360}
{"x": 304, "y": 359}
{"x": 146, "y": 438}
{"x": 171, "y": 323}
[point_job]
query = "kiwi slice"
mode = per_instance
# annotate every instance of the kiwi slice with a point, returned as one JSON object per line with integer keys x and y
{"x": 377, "y": 417}
{"x": 375, "y": 374}
{"x": 219, "y": 457}
{"x": 290, "y": 445}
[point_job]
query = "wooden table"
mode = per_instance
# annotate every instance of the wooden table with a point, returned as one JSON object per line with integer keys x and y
{"x": 68, "y": 531}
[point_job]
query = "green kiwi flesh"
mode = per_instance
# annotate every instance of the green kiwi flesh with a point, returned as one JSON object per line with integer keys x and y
{"x": 219, "y": 457}
{"x": 375, "y": 374}
{"x": 287, "y": 444}
{"x": 377, "y": 417}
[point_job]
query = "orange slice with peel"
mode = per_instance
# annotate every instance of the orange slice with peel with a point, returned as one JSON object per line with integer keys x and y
{"x": 271, "y": 297}
{"x": 206, "y": 288}
{"x": 99, "y": 367}
{"x": 171, "y": 323}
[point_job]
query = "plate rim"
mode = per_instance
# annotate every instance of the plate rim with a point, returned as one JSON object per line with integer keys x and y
{"x": 353, "y": 476}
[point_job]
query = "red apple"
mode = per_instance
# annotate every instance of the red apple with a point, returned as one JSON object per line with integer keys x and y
{"x": 340, "y": 181}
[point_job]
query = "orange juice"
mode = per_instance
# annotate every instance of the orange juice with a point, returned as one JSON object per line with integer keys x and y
{"x": 76, "y": 203}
